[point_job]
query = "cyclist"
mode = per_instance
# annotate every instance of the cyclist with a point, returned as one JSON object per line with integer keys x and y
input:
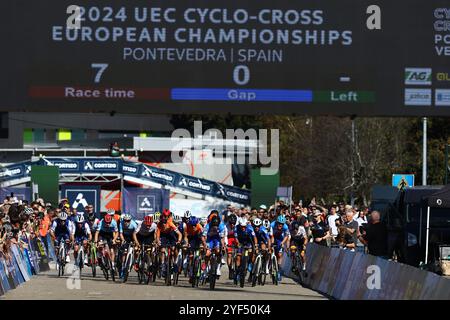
{"x": 263, "y": 236}
{"x": 214, "y": 238}
{"x": 107, "y": 230}
{"x": 231, "y": 242}
{"x": 299, "y": 240}
{"x": 62, "y": 230}
{"x": 167, "y": 235}
{"x": 145, "y": 233}
{"x": 194, "y": 232}
{"x": 246, "y": 239}
{"x": 82, "y": 235}
{"x": 280, "y": 236}
{"x": 127, "y": 233}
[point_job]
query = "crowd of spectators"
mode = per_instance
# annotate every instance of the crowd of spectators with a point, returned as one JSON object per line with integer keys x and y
{"x": 337, "y": 225}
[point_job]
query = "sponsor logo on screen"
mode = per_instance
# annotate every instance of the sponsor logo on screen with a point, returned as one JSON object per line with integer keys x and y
{"x": 418, "y": 76}
{"x": 418, "y": 97}
{"x": 442, "y": 97}
{"x": 443, "y": 76}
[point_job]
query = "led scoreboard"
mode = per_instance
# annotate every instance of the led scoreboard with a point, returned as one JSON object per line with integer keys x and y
{"x": 347, "y": 57}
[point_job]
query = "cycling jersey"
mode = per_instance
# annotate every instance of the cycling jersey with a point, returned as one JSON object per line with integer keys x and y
{"x": 182, "y": 227}
{"x": 67, "y": 228}
{"x": 144, "y": 230}
{"x": 262, "y": 235}
{"x": 82, "y": 232}
{"x": 194, "y": 231}
{"x": 246, "y": 236}
{"x": 211, "y": 232}
{"x": 231, "y": 233}
{"x": 279, "y": 234}
{"x": 166, "y": 228}
{"x": 128, "y": 230}
{"x": 102, "y": 227}
{"x": 214, "y": 234}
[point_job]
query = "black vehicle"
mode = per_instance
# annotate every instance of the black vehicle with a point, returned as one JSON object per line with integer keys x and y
{"x": 406, "y": 218}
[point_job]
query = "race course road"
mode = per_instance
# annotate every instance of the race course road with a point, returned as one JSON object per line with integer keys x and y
{"x": 49, "y": 286}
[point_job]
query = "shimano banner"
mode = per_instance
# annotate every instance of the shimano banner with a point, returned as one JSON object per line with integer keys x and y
{"x": 140, "y": 202}
{"x": 80, "y": 196}
{"x": 20, "y": 194}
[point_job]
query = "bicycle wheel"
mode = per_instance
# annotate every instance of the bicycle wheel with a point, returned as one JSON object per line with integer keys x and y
{"x": 93, "y": 261}
{"x": 194, "y": 272}
{"x": 212, "y": 272}
{"x": 111, "y": 269}
{"x": 274, "y": 270}
{"x": 155, "y": 265}
{"x": 178, "y": 270}
{"x": 59, "y": 262}
{"x": 140, "y": 271}
{"x": 168, "y": 265}
{"x": 256, "y": 270}
{"x": 126, "y": 268}
{"x": 105, "y": 266}
{"x": 149, "y": 268}
{"x": 243, "y": 271}
{"x": 263, "y": 274}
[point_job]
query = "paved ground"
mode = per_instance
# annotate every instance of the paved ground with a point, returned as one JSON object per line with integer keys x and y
{"x": 49, "y": 286}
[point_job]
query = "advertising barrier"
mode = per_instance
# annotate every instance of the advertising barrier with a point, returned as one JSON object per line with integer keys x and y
{"x": 19, "y": 263}
{"x": 346, "y": 275}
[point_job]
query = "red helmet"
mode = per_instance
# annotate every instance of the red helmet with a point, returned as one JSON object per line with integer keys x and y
{"x": 166, "y": 213}
{"x": 108, "y": 218}
{"x": 148, "y": 220}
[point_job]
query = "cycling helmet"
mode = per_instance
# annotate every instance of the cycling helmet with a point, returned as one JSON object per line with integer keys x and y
{"x": 257, "y": 222}
{"x": 176, "y": 218}
{"x": 243, "y": 222}
{"x": 213, "y": 213}
{"x": 79, "y": 218}
{"x": 193, "y": 221}
{"x": 127, "y": 217}
{"x": 166, "y": 213}
{"x": 148, "y": 220}
{"x": 63, "y": 216}
{"x": 266, "y": 224}
{"x": 232, "y": 219}
{"x": 281, "y": 219}
{"x": 187, "y": 214}
{"x": 215, "y": 221}
{"x": 108, "y": 218}
{"x": 29, "y": 211}
{"x": 110, "y": 212}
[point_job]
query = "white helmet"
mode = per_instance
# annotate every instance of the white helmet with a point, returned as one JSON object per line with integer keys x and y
{"x": 63, "y": 216}
{"x": 243, "y": 222}
{"x": 266, "y": 224}
{"x": 187, "y": 214}
{"x": 79, "y": 218}
{"x": 111, "y": 212}
{"x": 127, "y": 217}
{"x": 257, "y": 222}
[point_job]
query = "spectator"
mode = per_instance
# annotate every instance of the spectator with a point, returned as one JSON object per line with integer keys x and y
{"x": 226, "y": 213}
{"x": 362, "y": 219}
{"x": 375, "y": 236}
{"x": 332, "y": 217}
{"x": 319, "y": 231}
{"x": 353, "y": 230}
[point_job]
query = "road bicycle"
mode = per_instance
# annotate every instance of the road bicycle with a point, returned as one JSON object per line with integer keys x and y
{"x": 273, "y": 266}
{"x": 61, "y": 258}
{"x": 214, "y": 264}
{"x": 195, "y": 267}
{"x": 297, "y": 263}
{"x": 105, "y": 261}
{"x": 259, "y": 272}
{"x": 169, "y": 267}
{"x": 242, "y": 270}
{"x": 129, "y": 260}
{"x": 93, "y": 258}
{"x": 79, "y": 261}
